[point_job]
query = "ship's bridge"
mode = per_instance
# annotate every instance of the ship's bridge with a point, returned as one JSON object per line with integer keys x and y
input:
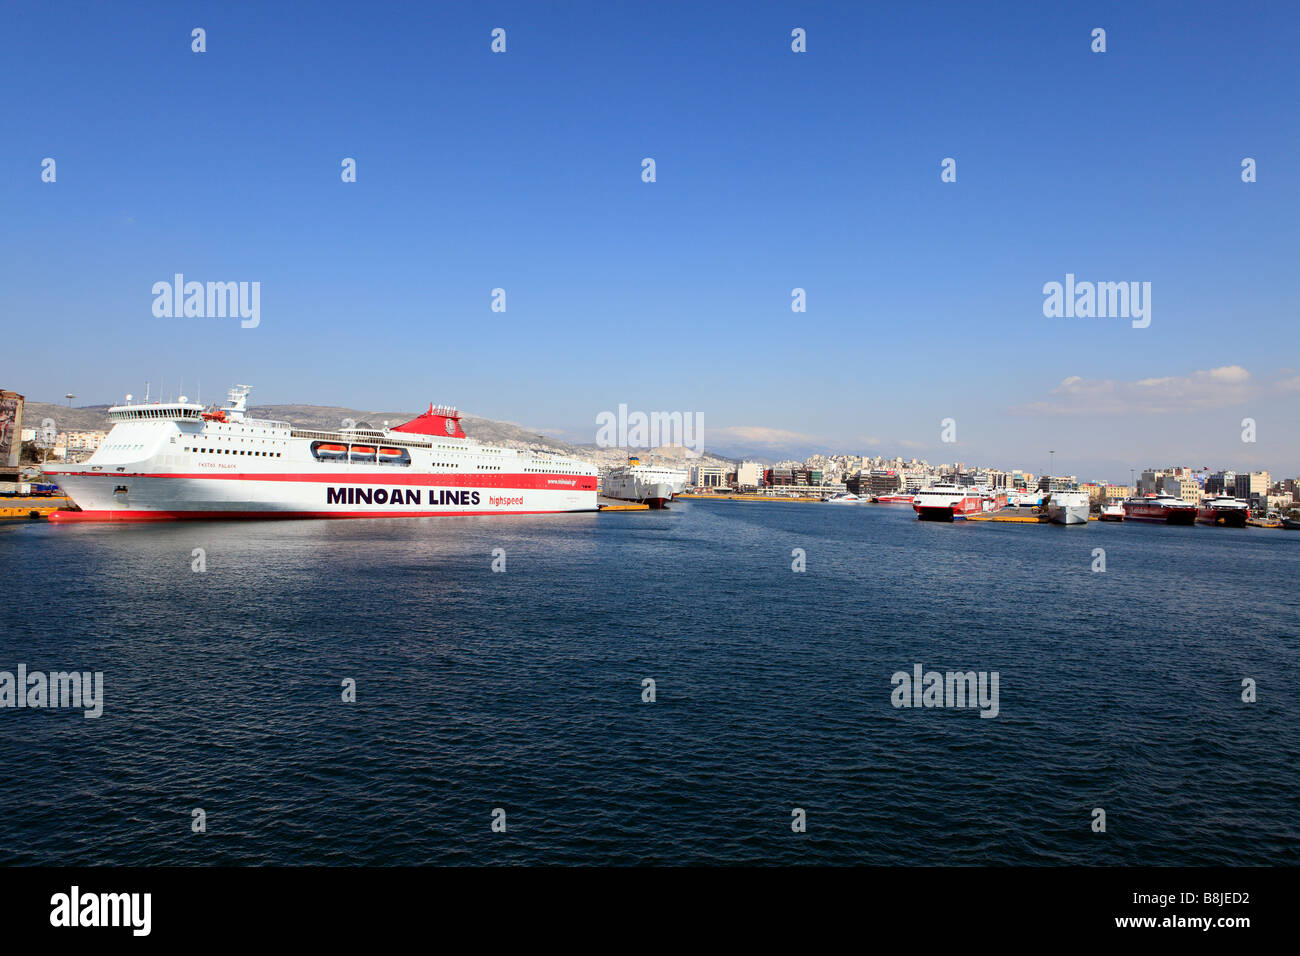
{"x": 159, "y": 411}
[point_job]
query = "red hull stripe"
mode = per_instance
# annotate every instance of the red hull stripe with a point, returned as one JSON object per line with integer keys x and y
{"x": 194, "y": 515}
{"x": 524, "y": 481}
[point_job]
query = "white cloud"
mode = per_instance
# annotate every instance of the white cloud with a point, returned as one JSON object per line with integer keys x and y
{"x": 759, "y": 435}
{"x": 1199, "y": 391}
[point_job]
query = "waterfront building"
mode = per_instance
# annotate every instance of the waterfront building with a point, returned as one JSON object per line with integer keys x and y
{"x": 707, "y": 476}
{"x": 883, "y": 481}
{"x": 1254, "y": 484}
{"x": 749, "y": 474}
{"x": 779, "y": 476}
{"x": 1058, "y": 483}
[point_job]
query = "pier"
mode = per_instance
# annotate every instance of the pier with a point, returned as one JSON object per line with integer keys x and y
{"x": 748, "y": 497}
{"x": 37, "y": 506}
{"x": 615, "y": 504}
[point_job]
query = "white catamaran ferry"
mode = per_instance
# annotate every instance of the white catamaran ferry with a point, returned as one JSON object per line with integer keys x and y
{"x": 179, "y": 460}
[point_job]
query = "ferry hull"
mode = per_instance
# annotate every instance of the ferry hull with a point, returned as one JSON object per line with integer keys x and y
{"x": 1163, "y": 516}
{"x": 1068, "y": 514}
{"x": 957, "y": 511}
{"x": 1226, "y": 517}
{"x": 161, "y": 497}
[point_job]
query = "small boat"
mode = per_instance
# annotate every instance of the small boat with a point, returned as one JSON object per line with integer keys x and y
{"x": 845, "y": 498}
{"x": 1112, "y": 513}
{"x": 1290, "y": 523}
{"x": 329, "y": 451}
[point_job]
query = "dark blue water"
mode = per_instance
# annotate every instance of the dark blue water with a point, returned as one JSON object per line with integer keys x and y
{"x": 522, "y": 690}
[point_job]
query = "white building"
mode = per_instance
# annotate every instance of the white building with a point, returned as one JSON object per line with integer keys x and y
{"x": 749, "y": 474}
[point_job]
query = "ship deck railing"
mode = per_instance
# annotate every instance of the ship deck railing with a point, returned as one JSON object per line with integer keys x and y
{"x": 359, "y": 437}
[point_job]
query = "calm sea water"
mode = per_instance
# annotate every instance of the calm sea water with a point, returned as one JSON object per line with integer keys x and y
{"x": 522, "y": 691}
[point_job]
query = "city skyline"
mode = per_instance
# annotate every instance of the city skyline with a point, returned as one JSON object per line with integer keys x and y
{"x": 843, "y": 463}
{"x": 775, "y": 171}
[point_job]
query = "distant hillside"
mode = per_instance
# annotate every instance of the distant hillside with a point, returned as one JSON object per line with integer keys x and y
{"x": 95, "y": 418}
{"x": 86, "y": 419}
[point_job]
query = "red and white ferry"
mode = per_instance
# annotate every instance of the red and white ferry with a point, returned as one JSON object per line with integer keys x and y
{"x": 898, "y": 499}
{"x": 1160, "y": 507}
{"x": 948, "y": 502}
{"x": 178, "y": 460}
{"x": 1223, "y": 510}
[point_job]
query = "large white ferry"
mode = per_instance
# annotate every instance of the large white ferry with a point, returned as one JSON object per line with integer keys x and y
{"x": 653, "y": 484}
{"x": 179, "y": 460}
{"x": 1069, "y": 507}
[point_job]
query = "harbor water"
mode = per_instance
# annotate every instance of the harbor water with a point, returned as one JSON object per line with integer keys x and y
{"x": 226, "y": 647}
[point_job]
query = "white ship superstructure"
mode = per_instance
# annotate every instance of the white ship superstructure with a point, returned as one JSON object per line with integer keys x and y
{"x": 179, "y": 460}
{"x": 654, "y": 485}
{"x": 1068, "y": 507}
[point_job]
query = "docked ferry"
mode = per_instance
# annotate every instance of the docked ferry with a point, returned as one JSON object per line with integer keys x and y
{"x": 1068, "y": 507}
{"x": 654, "y": 485}
{"x": 949, "y": 502}
{"x": 176, "y": 460}
{"x": 1160, "y": 507}
{"x": 1224, "y": 510}
{"x": 894, "y": 499}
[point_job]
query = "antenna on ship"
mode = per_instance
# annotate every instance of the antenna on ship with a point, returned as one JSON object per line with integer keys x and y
{"x": 146, "y": 391}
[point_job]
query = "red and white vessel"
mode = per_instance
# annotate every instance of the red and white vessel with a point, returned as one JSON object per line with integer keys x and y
{"x": 1160, "y": 507}
{"x": 177, "y": 460}
{"x": 1224, "y": 510}
{"x": 894, "y": 499}
{"x": 948, "y": 502}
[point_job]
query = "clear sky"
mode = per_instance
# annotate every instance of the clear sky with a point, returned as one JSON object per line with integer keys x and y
{"x": 775, "y": 170}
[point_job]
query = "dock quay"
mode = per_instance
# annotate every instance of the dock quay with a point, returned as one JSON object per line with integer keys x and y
{"x": 745, "y": 497}
{"x": 37, "y": 506}
{"x": 1020, "y": 515}
{"x": 615, "y": 504}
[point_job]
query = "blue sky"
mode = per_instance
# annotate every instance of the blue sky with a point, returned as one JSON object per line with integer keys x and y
{"x": 775, "y": 170}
